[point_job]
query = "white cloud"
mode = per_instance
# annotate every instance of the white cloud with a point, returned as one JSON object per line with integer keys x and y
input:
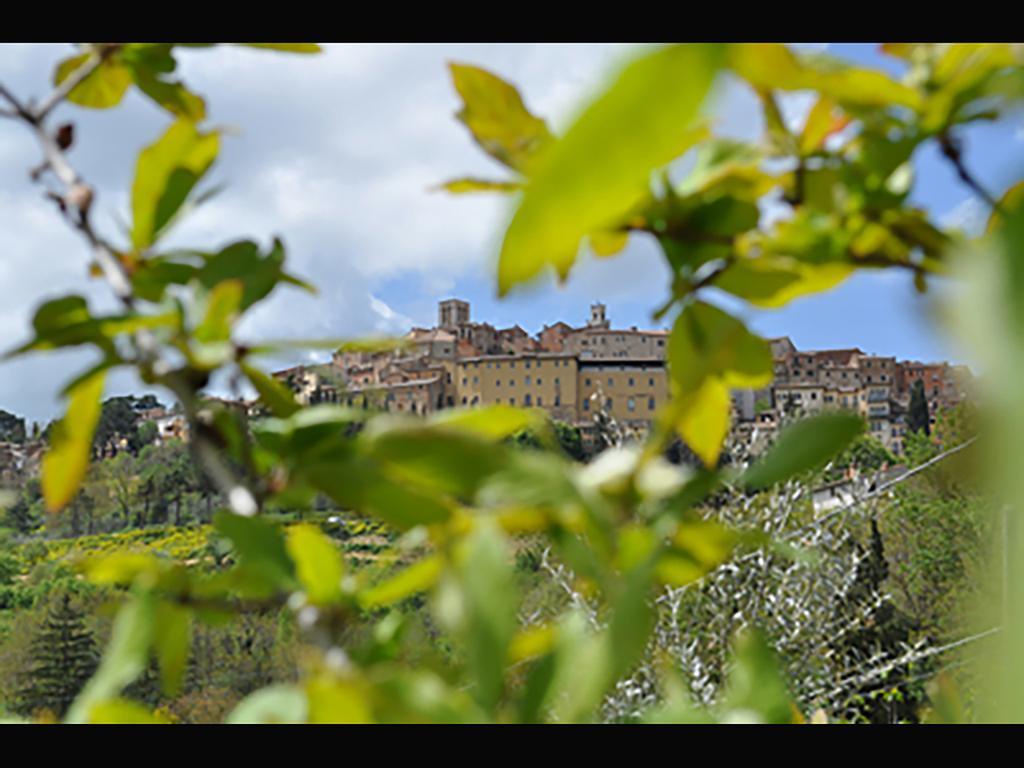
{"x": 969, "y": 215}
{"x": 336, "y": 154}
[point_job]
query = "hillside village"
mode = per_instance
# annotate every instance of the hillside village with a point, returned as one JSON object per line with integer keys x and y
{"x": 574, "y": 372}
{"x": 577, "y": 374}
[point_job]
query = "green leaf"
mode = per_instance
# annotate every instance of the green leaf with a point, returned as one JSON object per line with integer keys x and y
{"x": 710, "y": 353}
{"x": 805, "y": 445}
{"x": 125, "y": 658}
{"x": 277, "y": 397}
{"x": 706, "y": 341}
{"x": 487, "y": 580}
{"x": 495, "y": 114}
{"x": 170, "y": 95}
{"x": 772, "y": 65}
{"x": 773, "y": 281}
{"x": 242, "y": 261}
{"x": 756, "y": 692}
{"x": 602, "y": 167}
{"x": 701, "y": 417}
{"x": 493, "y": 422}
{"x": 123, "y": 712}
{"x": 468, "y": 185}
{"x": 259, "y": 545}
{"x": 65, "y": 464}
{"x": 273, "y": 704}
{"x": 102, "y": 89}
{"x": 318, "y": 563}
{"x": 286, "y": 47}
{"x": 632, "y": 620}
{"x": 418, "y": 577}
{"x": 340, "y": 701}
{"x": 172, "y": 636}
{"x": 698, "y": 547}
{"x": 222, "y": 307}
{"x": 165, "y": 174}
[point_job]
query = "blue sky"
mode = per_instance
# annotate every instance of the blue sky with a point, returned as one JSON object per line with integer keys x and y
{"x": 337, "y": 154}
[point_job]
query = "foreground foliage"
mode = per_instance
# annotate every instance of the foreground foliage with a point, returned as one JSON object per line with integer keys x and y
{"x": 623, "y": 529}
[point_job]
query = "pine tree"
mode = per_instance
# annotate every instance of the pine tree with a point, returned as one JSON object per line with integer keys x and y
{"x": 63, "y": 656}
{"x": 918, "y": 417}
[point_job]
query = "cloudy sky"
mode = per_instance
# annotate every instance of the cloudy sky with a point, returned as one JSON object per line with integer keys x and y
{"x": 338, "y": 153}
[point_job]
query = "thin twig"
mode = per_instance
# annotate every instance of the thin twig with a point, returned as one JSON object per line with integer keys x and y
{"x": 953, "y": 151}
{"x": 76, "y": 203}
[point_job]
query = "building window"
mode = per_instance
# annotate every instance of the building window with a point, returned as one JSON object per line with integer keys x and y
{"x": 650, "y": 382}
{"x": 586, "y": 382}
{"x": 476, "y": 379}
{"x": 527, "y": 363}
{"x": 512, "y": 364}
{"x": 538, "y": 381}
{"x": 512, "y": 401}
{"x": 511, "y": 382}
{"x": 631, "y": 382}
{"x": 586, "y": 404}
{"x": 611, "y": 382}
{"x": 650, "y": 404}
{"x": 631, "y": 404}
{"x": 527, "y": 381}
{"x": 527, "y": 400}
{"x": 558, "y": 401}
{"x": 465, "y": 381}
{"x": 497, "y": 383}
{"x": 608, "y": 404}
{"x": 540, "y": 400}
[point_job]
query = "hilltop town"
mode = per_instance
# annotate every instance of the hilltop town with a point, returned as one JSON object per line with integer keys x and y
{"x": 575, "y": 372}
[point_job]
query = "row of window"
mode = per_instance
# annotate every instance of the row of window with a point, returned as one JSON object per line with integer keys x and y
{"x": 630, "y": 404}
{"x": 526, "y": 364}
{"x": 611, "y": 382}
{"x": 512, "y": 382}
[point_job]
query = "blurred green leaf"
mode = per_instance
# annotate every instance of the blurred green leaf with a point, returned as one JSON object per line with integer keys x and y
{"x": 123, "y": 712}
{"x": 102, "y": 89}
{"x": 492, "y": 422}
{"x": 710, "y": 353}
{"x": 318, "y": 563}
{"x": 274, "y": 704}
{"x": 774, "y": 66}
{"x": 259, "y": 545}
{"x": 165, "y": 174}
{"x": 774, "y": 281}
{"x": 276, "y": 396}
{"x": 468, "y": 185}
{"x": 601, "y": 168}
{"x": 756, "y": 692}
{"x": 172, "y": 637}
{"x": 222, "y": 307}
{"x": 65, "y": 463}
{"x": 418, "y": 577}
{"x": 487, "y": 580}
{"x": 242, "y": 261}
{"x": 494, "y": 113}
{"x": 334, "y": 700}
{"x": 805, "y": 445}
{"x": 286, "y": 47}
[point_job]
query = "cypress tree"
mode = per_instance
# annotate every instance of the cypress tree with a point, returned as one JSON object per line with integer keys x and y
{"x": 63, "y": 656}
{"x": 886, "y": 634}
{"x": 917, "y": 415}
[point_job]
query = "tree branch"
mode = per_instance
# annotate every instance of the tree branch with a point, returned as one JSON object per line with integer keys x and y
{"x": 952, "y": 150}
{"x": 75, "y": 203}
